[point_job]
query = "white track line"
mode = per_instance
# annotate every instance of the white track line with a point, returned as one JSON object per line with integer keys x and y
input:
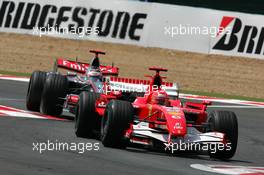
{"x": 228, "y": 101}
{"x": 20, "y": 114}
{"x": 13, "y": 112}
{"x": 14, "y": 78}
{"x": 12, "y": 99}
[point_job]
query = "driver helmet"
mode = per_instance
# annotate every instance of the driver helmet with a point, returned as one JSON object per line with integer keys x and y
{"x": 160, "y": 97}
{"x": 94, "y": 72}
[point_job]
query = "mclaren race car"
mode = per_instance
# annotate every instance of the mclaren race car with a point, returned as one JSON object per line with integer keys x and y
{"x": 51, "y": 92}
{"x": 158, "y": 119}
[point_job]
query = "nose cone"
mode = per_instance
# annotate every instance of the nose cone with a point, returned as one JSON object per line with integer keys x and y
{"x": 176, "y": 123}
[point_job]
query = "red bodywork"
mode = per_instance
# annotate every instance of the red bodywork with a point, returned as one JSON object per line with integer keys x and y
{"x": 82, "y": 67}
{"x": 172, "y": 118}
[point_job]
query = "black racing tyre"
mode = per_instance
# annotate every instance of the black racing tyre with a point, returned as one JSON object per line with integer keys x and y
{"x": 35, "y": 88}
{"x": 86, "y": 118}
{"x": 117, "y": 119}
{"x": 54, "y": 92}
{"x": 224, "y": 122}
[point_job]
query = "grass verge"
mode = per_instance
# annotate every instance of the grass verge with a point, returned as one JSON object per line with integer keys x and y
{"x": 219, "y": 95}
{"x": 21, "y": 74}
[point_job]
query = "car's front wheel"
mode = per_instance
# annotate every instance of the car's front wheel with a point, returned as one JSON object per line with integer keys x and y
{"x": 35, "y": 88}
{"x": 86, "y": 118}
{"x": 54, "y": 92}
{"x": 224, "y": 122}
{"x": 117, "y": 119}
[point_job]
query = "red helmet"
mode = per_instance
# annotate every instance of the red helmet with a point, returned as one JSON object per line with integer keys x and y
{"x": 160, "y": 97}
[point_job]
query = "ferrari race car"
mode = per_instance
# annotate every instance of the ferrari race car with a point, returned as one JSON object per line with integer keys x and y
{"x": 51, "y": 92}
{"x": 158, "y": 119}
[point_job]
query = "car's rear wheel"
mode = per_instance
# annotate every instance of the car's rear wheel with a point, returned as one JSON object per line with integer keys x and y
{"x": 224, "y": 122}
{"x": 117, "y": 119}
{"x": 54, "y": 92}
{"x": 86, "y": 118}
{"x": 35, "y": 88}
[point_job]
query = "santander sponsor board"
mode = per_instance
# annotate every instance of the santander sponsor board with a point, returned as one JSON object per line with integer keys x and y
{"x": 245, "y": 38}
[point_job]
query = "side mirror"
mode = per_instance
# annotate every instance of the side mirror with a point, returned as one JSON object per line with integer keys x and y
{"x": 177, "y": 87}
{"x": 172, "y": 91}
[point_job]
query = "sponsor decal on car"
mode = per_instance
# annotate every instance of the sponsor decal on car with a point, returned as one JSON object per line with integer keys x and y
{"x": 173, "y": 109}
{"x": 176, "y": 117}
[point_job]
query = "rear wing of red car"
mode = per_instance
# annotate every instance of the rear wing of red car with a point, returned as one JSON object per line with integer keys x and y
{"x": 137, "y": 85}
{"x": 136, "y": 81}
{"x": 81, "y": 67}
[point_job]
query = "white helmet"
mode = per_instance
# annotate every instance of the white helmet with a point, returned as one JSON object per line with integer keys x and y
{"x": 94, "y": 72}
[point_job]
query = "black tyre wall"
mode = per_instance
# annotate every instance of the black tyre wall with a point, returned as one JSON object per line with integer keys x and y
{"x": 224, "y": 122}
{"x": 54, "y": 92}
{"x": 86, "y": 118}
{"x": 117, "y": 118}
{"x": 35, "y": 89}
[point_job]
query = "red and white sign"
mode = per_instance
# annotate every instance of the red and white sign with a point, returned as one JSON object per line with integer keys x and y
{"x": 13, "y": 112}
{"x": 230, "y": 169}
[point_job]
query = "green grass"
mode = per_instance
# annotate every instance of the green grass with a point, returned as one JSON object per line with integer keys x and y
{"x": 209, "y": 94}
{"x": 21, "y": 74}
{"x": 219, "y": 95}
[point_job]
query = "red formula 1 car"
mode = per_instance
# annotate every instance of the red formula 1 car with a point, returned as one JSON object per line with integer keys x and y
{"x": 157, "y": 119}
{"x": 51, "y": 92}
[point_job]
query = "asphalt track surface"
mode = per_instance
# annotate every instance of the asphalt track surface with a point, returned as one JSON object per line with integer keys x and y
{"x": 19, "y": 134}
